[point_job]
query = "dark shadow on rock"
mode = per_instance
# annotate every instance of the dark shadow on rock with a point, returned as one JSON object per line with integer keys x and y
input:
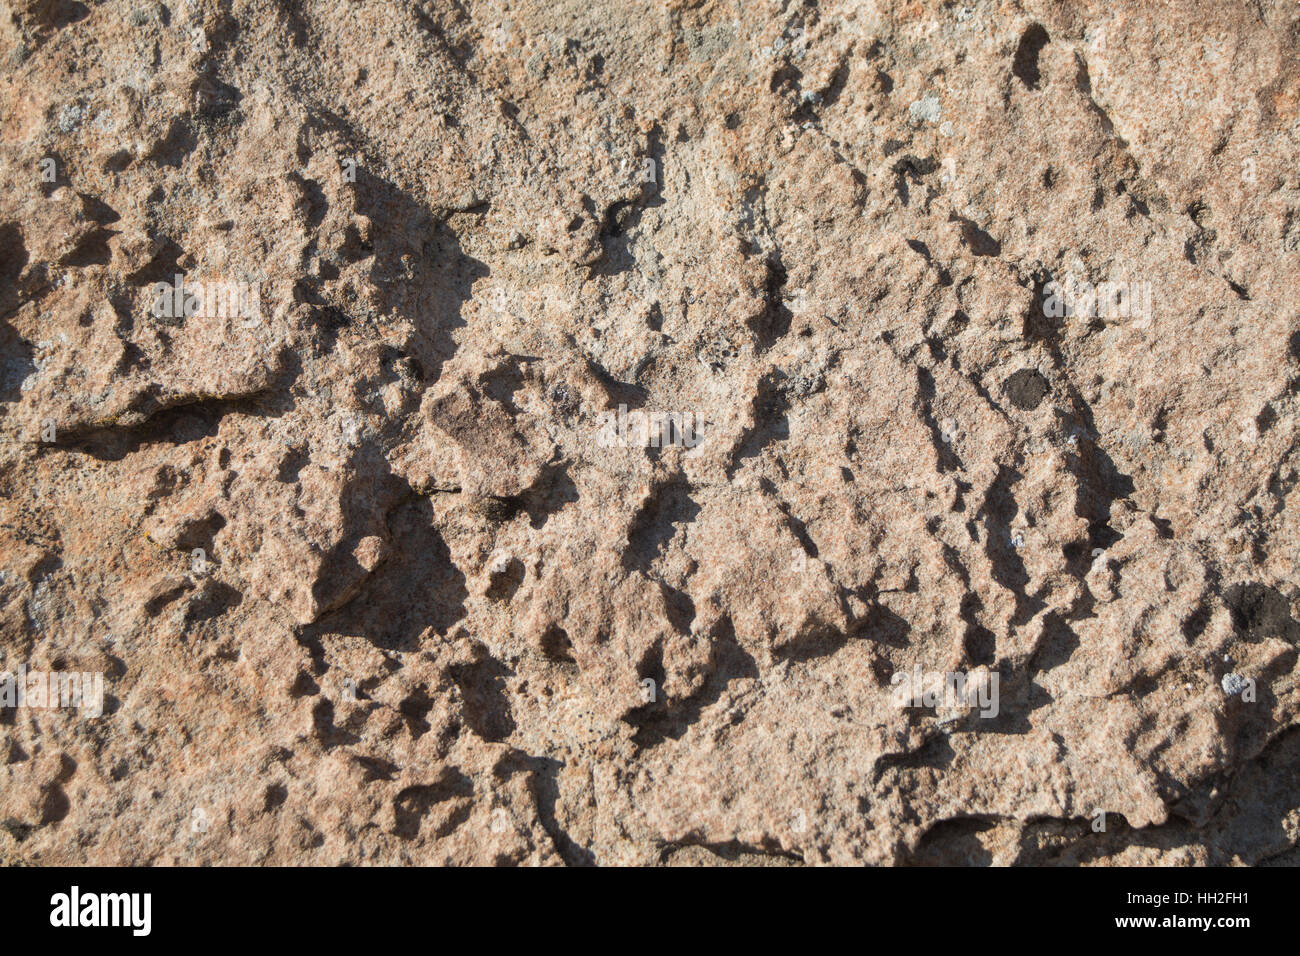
{"x": 664, "y": 719}
{"x": 214, "y": 599}
{"x": 327, "y": 732}
{"x": 179, "y": 425}
{"x": 817, "y": 643}
{"x": 414, "y": 803}
{"x": 486, "y": 704}
{"x": 881, "y": 625}
{"x": 771, "y": 423}
{"x": 178, "y": 143}
{"x": 776, "y": 318}
{"x": 618, "y": 232}
{"x": 417, "y": 587}
{"x": 1025, "y": 62}
{"x": 936, "y": 754}
{"x": 998, "y": 511}
{"x": 16, "y": 363}
{"x": 1057, "y": 646}
{"x": 16, "y": 354}
{"x": 622, "y": 219}
{"x": 948, "y": 458}
{"x": 952, "y": 842}
{"x": 369, "y": 489}
{"x": 420, "y": 271}
{"x": 1026, "y": 389}
{"x": 731, "y": 853}
{"x": 543, "y": 784}
{"x": 1101, "y": 483}
{"x": 669, "y": 508}
{"x": 551, "y": 492}
{"x": 1018, "y": 696}
{"x": 1260, "y": 612}
{"x": 979, "y": 242}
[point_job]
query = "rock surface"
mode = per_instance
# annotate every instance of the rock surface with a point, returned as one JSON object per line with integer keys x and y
{"x": 584, "y": 417}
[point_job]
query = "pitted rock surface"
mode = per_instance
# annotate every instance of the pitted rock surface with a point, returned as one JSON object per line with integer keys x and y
{"x": 395, "y": 564}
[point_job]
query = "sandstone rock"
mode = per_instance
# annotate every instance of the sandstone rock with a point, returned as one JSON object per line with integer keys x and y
{"x": 571, "y": 433}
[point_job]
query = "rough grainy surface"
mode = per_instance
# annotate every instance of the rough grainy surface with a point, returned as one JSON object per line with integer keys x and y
{"x": 365, "y": 575}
